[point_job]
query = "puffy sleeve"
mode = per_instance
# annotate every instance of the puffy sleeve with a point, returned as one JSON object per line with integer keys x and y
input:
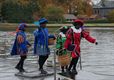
{"x": 87, "y": 36}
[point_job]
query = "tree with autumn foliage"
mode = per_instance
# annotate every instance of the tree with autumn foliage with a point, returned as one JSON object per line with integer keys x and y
{"x": 76, "y": 6}
{"x": 15, "y": 10}
{"x": 54, "y": 13}
{"x": 87, "y": 7}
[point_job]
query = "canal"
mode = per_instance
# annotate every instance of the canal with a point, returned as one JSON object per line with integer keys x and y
{"x": 97, "y": 60}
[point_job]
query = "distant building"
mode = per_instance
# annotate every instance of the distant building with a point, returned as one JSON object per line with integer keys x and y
{"x": 83, "y": 17}
{"x": 86, "y": 17}
{"x": 103, "y": 8}
{"x": 69, "y": 17}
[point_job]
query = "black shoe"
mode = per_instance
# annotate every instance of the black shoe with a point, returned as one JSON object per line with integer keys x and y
{"x": 23, "y": 70}
{"x": 74, "y": 71}
{"x": 62, "y": 71}
{"x": 43, "y": 71}
{"x": 18, "y": 68}
{"x": 68, "y": 71}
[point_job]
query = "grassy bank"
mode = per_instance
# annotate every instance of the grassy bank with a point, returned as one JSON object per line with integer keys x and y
{"x": 14, "y": 25}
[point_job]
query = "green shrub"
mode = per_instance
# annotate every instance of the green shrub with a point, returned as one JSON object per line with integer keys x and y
{"x": 98, "y": 21}
{"x": 110, "y": 16}
{"x": 14, "y": 12}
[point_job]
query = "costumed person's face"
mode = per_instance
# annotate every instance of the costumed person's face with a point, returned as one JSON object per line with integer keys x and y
{"x": 64, "y": 31}
{"x": 43, "y": 25}
{"x": 77, "y": 25}
{"x": 24, "y": 29}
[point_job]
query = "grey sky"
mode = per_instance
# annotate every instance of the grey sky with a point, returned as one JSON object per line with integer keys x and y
{"x": 96, "y": 1}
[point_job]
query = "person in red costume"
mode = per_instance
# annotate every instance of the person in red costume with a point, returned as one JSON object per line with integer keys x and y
{"x": 72, "y": 43}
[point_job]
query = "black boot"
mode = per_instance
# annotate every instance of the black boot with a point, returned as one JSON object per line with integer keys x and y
{"x": 21, "y": 67}
{"x": 42, "y": 60}
{"x": 17, "y": 67}
{"x": 62, "y": 69}
{"x": 23, "y": 70}
{"x": 74, "y": 71}
{"x": 43, "y": 71}
{"x": 68, "y": 71}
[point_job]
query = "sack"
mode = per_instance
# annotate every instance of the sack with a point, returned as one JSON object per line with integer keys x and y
{"x": 71, "y": 47}
{"x": 64, "y": 60}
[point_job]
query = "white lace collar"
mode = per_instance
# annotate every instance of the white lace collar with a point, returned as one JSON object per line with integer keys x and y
{"x": 63, "y": 35}
{"x": 76, "y": 30}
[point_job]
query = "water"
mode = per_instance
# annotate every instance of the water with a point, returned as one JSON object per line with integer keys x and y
{"x": 97, "y": 60}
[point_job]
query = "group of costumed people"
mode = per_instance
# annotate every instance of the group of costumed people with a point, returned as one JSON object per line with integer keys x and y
{"x": 68, "y": 39}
